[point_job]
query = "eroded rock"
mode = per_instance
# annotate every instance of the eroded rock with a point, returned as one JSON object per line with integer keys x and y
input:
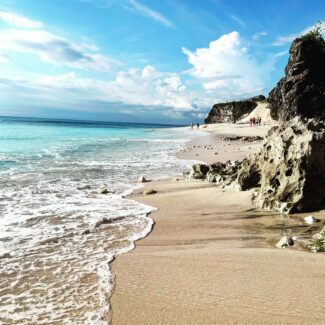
{"x": 249, "y": 174}
{"x": 292, "y": 167}
{"x": 302, "y": 91}
{"x": 199, "y": 171}
{"x": 223, "y": 173}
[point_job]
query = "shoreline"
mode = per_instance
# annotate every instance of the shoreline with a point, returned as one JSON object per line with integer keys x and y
{"x": 193, "y": 268}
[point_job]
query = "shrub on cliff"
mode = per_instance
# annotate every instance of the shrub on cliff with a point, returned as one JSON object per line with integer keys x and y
{"x": 316, "y": 34}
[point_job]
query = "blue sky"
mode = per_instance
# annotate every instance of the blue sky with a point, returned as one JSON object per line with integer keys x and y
{"x": 164, "y": 61}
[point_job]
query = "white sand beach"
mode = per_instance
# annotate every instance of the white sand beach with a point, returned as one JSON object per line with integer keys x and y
{"x": 211, "y": 257}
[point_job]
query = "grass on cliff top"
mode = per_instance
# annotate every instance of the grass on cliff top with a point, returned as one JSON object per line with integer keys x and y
{"x": 316, "y": 34}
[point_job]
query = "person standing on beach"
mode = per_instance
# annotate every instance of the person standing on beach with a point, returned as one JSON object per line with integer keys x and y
{"x": 197, "y": 125}
{"x": 192, "y": 126}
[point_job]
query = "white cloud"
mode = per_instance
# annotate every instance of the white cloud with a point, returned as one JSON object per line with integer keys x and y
{"x": 148, "y": 72}
{"x": 54, "y": 49}
{"x": 238, "y": 20}
{"x": 227, "y": 68}
{"x": 131, "y": 87}
{"x": 162, "y": 95}
{"x": 283, "y": 40}
{"x": 18, "y": 20}
{"x": 135, "y": 6}
{"x": 144, "y": 10}
{"x": 258, "y": 35}
{"x": 282, "y": 53}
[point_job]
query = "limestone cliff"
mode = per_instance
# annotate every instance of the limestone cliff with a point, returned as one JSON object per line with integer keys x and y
{"x": 232, "y": 111}
{"x": 302, "y": 90}
{"x": 289, "y": 171}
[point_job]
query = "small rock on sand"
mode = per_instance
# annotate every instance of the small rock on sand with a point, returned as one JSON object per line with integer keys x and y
{"x": 285, "y": 242}
{"x": 310, "y": 220}
{"x": 149, "y": 192}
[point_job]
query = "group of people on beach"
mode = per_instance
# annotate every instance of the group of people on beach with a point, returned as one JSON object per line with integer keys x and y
{"x": 255, "y": 121}
{"x": 197, "y": 125}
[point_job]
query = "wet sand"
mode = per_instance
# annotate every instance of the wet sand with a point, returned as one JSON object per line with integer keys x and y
{"x": 210, "y": 259}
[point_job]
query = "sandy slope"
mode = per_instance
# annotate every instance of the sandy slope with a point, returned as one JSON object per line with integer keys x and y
{"x": 210, "y": 259}
{"x": 261, "y": 111}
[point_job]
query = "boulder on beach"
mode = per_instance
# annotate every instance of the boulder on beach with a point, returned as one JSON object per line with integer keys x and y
{"x": 199, "y": 171}
{"x": 222, "y": 173}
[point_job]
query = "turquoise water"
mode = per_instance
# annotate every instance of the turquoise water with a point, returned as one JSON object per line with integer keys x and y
{"x": 34, "y": 140}
{"x": 56, "y": 229}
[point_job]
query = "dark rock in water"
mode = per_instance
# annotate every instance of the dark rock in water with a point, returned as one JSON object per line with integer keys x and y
{"x": 142, "y": 179}
{"x": 5, "y": 255}
{"x": 199, "y": 171}
{"x": 106, "y": 221}
{"x": 104, "y": 191}
{"x": 232, "y": 111}
{"x": 302, "y": 90}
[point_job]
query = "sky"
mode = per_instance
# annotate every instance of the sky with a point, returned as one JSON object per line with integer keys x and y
{"x": 165, "y": 61}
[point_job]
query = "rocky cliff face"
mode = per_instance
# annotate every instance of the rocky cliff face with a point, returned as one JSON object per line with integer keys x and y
{"x": 232, "y": 111}
{"x": 291, "y": 166}
{"x": 302, "y": 90}
{"x": 289, "y": 171}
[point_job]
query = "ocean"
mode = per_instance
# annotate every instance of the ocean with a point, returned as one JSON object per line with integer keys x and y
{"x": 58, "y": 233}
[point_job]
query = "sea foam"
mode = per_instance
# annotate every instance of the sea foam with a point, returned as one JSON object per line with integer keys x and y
{"x": 58, "y": 234}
